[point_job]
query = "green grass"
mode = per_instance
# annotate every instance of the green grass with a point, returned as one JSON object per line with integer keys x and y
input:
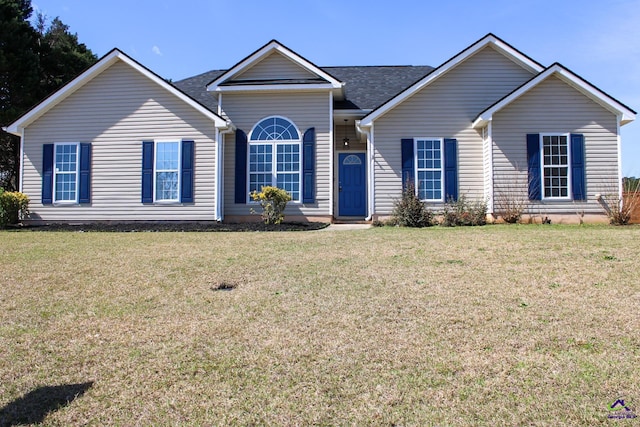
{"x": 497, "y": 325}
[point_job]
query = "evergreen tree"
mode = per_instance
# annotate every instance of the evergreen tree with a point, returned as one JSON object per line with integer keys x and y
{"x": 19, "y": 79}
{"x": 34, "y": 62}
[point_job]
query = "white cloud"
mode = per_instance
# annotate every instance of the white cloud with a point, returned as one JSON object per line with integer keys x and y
{"x": 156, "y": 50}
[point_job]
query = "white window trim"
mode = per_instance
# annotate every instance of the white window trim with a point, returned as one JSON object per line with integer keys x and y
{"x": 415, "y": 168}
{"x": 156, "y": 170}
{"x": 569, "y": 196}
{"x": 274, "y": 158}
{"x": 55, "y": 174}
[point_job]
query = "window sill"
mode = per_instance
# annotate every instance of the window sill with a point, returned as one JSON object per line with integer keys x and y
{"x": 167, "y": 202}
{"x": 557, "y": 199}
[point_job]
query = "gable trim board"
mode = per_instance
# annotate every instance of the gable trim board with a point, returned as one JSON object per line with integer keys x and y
{"x": 477, "y": 153}
{"x": 625, "y": 113}
{"x": 488, "y": 40}
{"x": 223, "y": 82}
{"x": 101, "y": 65}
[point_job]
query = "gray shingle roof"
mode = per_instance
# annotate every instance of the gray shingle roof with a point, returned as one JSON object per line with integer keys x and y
{"x": 366, "y": 87}
{"x": 196, "y": 87}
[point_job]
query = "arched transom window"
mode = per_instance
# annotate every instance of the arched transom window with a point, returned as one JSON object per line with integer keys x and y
{"x": 274, "y": 156}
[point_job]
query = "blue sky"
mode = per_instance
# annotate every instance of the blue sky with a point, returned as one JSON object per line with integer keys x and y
{"x": 599, "y": 40}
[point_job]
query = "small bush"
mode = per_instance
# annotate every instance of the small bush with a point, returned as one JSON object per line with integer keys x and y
{"x": 273, "y": 201}
{"x": 462, "y": 212}
{"x": 620, "y": 209}
{"x": 13, "y": 207}
{"x": 409, "y": 211}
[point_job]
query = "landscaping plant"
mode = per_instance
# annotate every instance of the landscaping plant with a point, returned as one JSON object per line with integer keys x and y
{"x": 13, "y": 207}
{"x": 273, "y": 201}
{"x": 409, "y": 211}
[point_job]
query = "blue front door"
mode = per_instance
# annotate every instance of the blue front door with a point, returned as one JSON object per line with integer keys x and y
{"x": 352, "y": 185}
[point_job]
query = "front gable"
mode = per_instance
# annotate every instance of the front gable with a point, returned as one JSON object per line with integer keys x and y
{"x": 111, "y": 59}
{"x": 523, "y": 62}
{"x": 560, "y": 73}
{"x": 275, "y": 67}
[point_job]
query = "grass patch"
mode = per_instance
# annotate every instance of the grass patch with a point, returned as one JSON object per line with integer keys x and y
{"x": 383, "y": 326}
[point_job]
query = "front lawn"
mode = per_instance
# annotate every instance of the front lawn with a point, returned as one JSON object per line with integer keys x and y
{"x": 495, "y": 325}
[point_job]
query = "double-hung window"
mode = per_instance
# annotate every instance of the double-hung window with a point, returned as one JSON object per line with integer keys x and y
{"x": 274, "y": 156}
{"x": 555, "y": 165}
{"x": 167, "y": 171}
{"x": 65, "y": 173}
{"x": 429, "y": 170}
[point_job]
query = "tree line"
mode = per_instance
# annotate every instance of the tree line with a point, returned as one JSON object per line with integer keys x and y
{"x": 37, "y": 57}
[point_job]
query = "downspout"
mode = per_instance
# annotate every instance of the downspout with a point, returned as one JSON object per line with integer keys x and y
{"x": 220, "y": 137}
{"x": 331, "y": 154}
{"x": 368, "y": 132}
{"x": 619, "y": 142}
{"x": 490, "y": 166}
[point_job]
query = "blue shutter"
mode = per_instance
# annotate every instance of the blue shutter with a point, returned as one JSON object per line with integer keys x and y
{"x": 450, "y": 169}
{"x": 47, "y": 174}
{"x": 407, "y": 162}
{"x": 241, "y": 167}
{"x": 186, "y": 170}
{"x": 85, "y": 173}
{"x": 147, "y": 172}
{"x": 577, "y": 167}
{"x": 533, "y": 161}
{"x": 308, "y": 166}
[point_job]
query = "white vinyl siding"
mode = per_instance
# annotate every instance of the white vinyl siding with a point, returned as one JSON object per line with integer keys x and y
{"x": 555, "y": 107}
{"x": 306, "y": 110}
{"x": 115, "y": 112}
{"x": 446, "y": 107}
{"x": 275, "y": 67}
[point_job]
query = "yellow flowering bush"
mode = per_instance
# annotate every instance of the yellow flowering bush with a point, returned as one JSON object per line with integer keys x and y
{"x": 13, "y": 207}
{"x": 273, "y": 201}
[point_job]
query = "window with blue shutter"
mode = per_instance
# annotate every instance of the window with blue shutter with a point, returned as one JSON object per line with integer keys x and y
{"x": 147, "y": 171}
{"x": 168, "y": 171}
{"x": 47, "y": 174}
{"x": 275, "y": 158}
{"x": 578, "y": 167}
{"x": 433, "y": 163}
{"x": 308, "y": 166}
{"x": 241, "y": 167}
{"x": 556, "y": 166}
{"x": 533, "y": 169}
{"x": 85, "y": 174}
{"x": 450, "y": 169}
{"x": 186, "y": 180}
{"x": 407, "y": 162}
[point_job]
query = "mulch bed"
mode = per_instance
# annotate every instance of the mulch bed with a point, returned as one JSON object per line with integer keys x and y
{"x": 172, "y": 226}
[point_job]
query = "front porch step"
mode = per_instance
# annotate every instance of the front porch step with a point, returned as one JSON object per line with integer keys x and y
{"x": 350, "y": 221}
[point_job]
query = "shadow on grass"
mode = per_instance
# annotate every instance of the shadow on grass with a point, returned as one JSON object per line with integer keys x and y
{"x": 34, "y": 406}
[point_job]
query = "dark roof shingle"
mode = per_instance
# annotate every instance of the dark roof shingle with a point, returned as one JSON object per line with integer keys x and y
{"x": 366, "y": 87}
